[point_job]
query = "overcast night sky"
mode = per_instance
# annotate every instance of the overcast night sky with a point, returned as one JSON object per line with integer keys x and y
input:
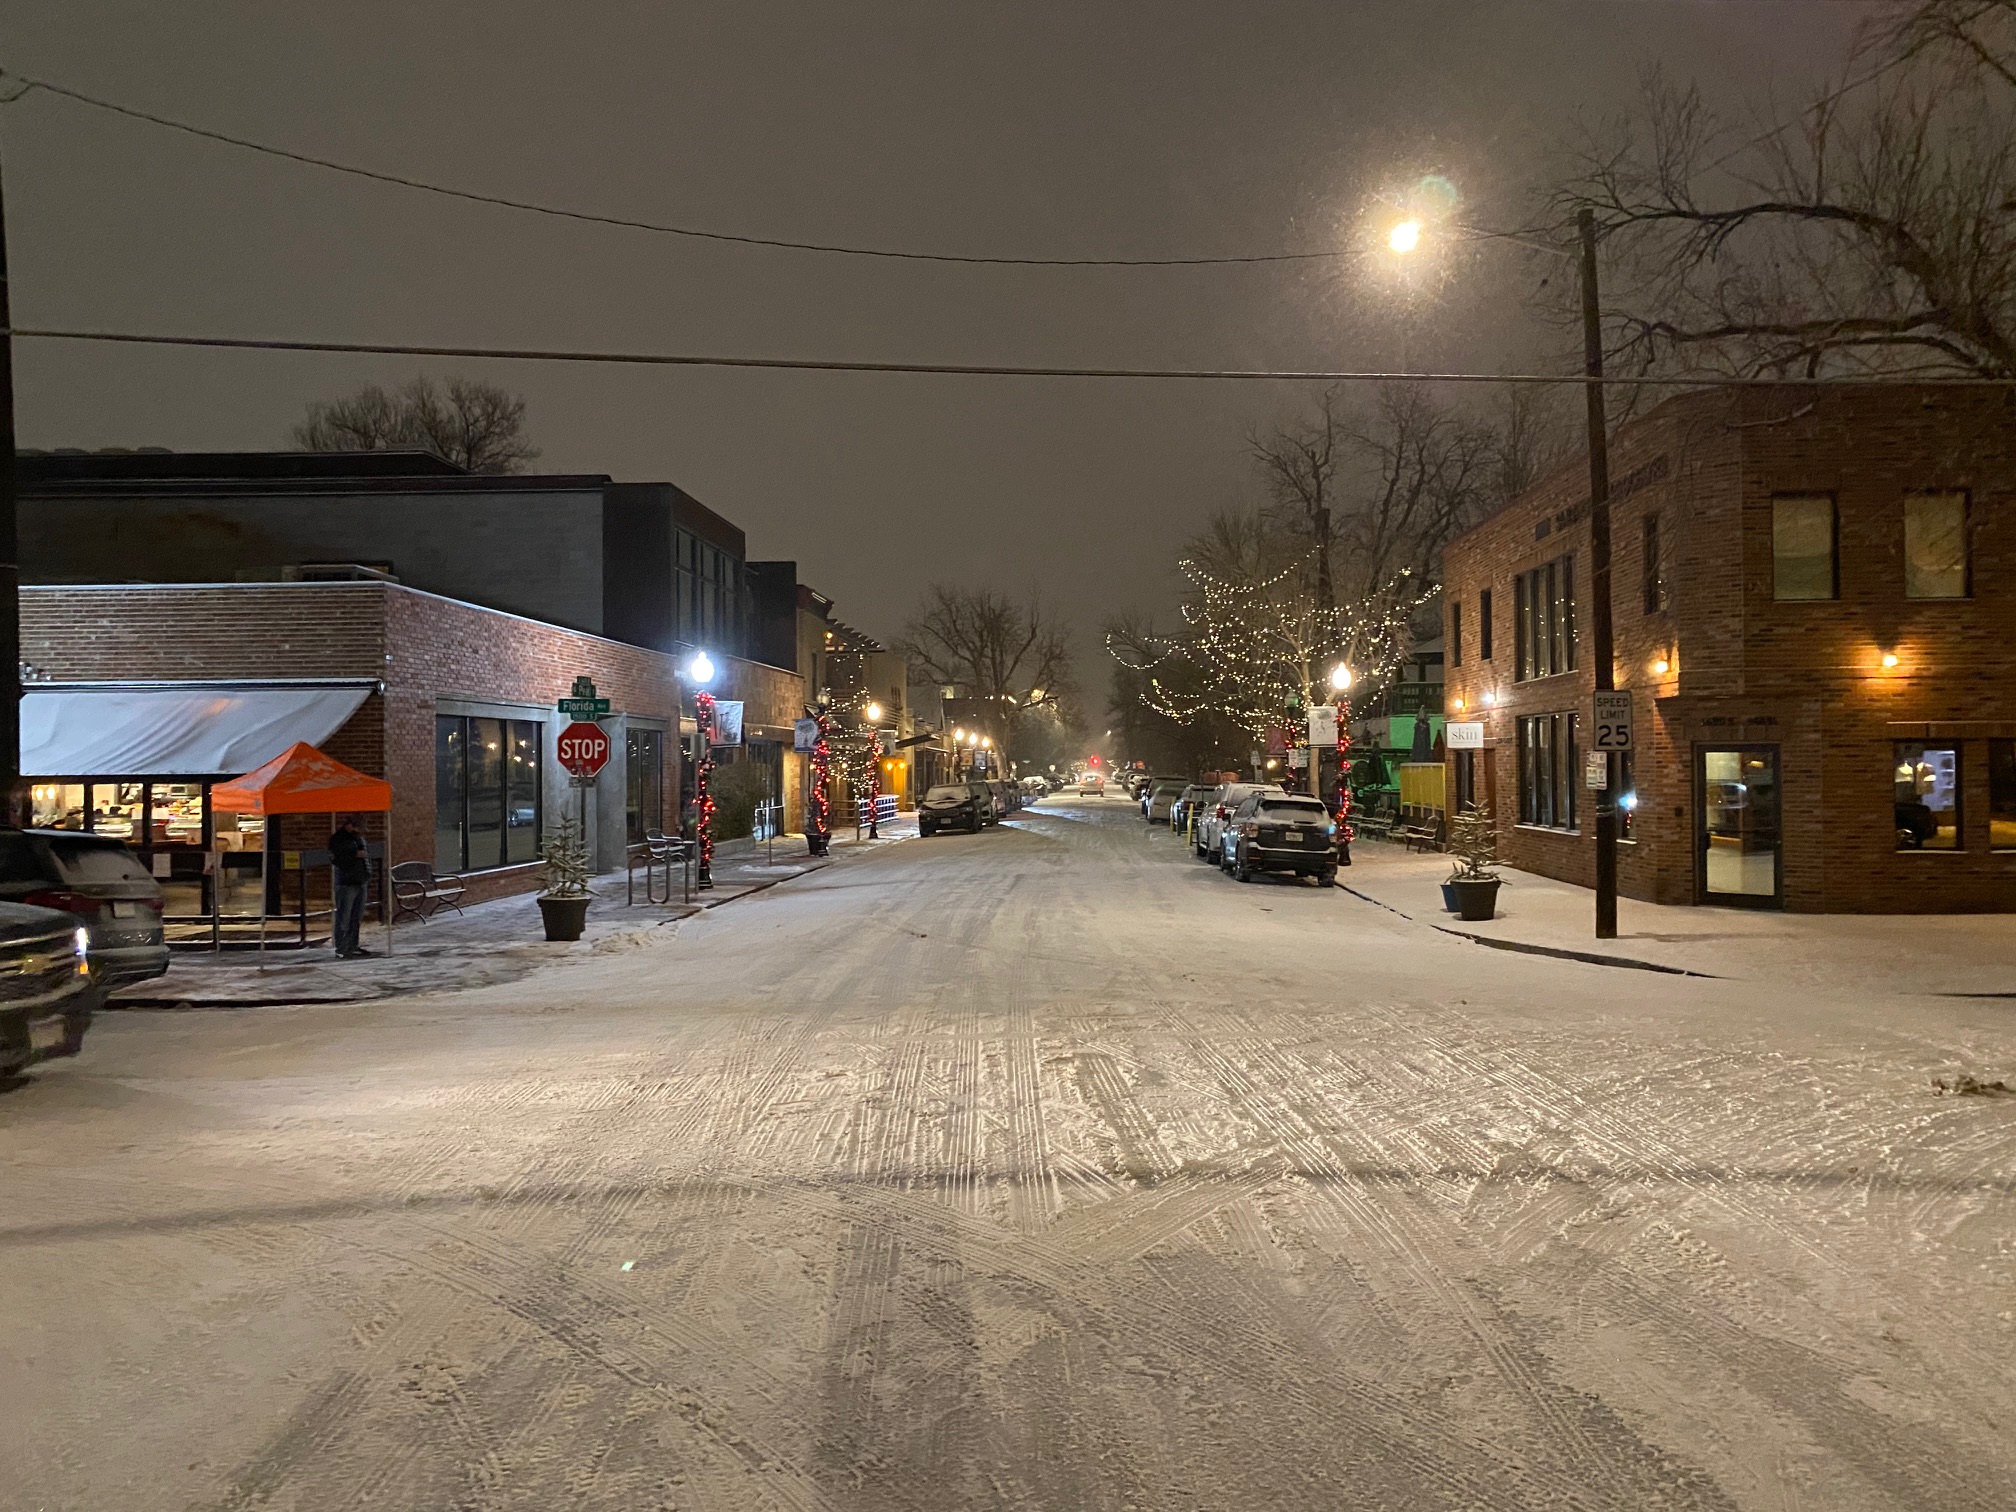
{"x": 1049, "y": 130}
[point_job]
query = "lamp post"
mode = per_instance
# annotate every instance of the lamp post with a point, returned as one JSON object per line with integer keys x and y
{"x": 874, "y": 715}
{"x": 701, "y": 671}
{"x": 1340, "y": 684}
{"x": 1404, "y": 238}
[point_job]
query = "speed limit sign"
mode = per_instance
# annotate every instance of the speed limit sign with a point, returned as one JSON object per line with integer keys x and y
{"x": 1613, "y": 722}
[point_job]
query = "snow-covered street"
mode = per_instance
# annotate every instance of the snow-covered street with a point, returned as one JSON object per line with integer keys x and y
{"x": 1040, "y": 1169}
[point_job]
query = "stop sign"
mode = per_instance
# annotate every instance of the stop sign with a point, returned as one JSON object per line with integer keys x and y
{"x": 584, "y": 748}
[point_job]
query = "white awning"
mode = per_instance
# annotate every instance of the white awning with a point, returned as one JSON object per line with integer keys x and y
{"x": 186, "y": 731}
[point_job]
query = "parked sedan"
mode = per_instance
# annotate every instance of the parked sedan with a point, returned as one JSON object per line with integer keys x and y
{"x": 1157, "y": 801}
{"x": 955, "y": 805}
{"x": 102, "y": 886}
{"x": 1282, "y": 832}
{"x": 1184, "y": 810}
{"x": 47, "y": 992}
{"x": 1091, "y": 785}
{"x": 1217, "y": 811}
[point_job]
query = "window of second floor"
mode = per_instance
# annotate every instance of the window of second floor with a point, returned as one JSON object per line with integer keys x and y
{"x": 1654, "y": 554}
{"x": 1804, "y": 558}
{"x": 1484, "y": 625}
{"x": 1544, "y": 619}
{"x": 1935, "y": 546}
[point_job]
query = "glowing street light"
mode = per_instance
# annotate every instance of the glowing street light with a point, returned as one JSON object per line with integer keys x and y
{"x": 874, "y": 713}
{"x": 1340, "y": 678}
{"x": 1405, "y": 237}
{"x": 701, "y": 668}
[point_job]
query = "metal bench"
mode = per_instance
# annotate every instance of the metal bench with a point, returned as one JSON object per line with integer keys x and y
{"x": 421, "y": 892}
{"x": 1426, "y": 836}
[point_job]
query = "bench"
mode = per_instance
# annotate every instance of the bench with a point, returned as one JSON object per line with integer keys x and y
{"x": 421, "y": 892}
{"x": 1427, "y": 836}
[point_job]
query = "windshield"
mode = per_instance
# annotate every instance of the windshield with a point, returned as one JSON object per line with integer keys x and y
{"x": 1293, "y": 808}
{"x": 948, "y": 795}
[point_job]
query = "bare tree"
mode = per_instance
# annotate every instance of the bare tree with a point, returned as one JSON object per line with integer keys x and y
{"x": 477, "y": 426}
{"x": 1014, "y": 658}
{"x": 1877, "y": 232}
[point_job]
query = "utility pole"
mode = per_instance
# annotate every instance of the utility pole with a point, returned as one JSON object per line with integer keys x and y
{"x": 11, "y": 805}
{"x": 1599, "y": 573}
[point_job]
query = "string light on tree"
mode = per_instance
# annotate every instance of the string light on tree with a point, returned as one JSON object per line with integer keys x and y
{"x": 701, "y": 671}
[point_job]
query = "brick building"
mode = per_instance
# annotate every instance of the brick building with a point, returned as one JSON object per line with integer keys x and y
{"x": 1813, "y": 596}
{"x": 451, "y": 703}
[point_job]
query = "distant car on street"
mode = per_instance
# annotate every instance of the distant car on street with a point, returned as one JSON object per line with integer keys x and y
{"x": 1091, "y": 785}
{"x": 47, "y": 991}
{"x": 955, "y": 805}
{"x": 1216, "y": 810}
{"x": 1281, "y": 832}
{"x": 102, "y": 886}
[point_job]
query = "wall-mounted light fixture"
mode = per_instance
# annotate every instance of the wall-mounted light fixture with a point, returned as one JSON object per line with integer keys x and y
{"x": 1889, "y": 658}
{"x": 1661, "y": 667}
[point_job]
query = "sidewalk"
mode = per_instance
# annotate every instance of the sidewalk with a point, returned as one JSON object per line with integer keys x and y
{"x": 1925, "y": 954}
{"x": 486, "y": 943}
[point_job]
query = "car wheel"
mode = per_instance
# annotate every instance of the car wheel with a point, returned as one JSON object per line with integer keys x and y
{"x": 1243, "y": 872}
{"x": 1327, "y": 879}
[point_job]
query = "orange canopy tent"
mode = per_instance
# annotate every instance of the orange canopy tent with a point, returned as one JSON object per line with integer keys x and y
{"x": 301, "y": 780}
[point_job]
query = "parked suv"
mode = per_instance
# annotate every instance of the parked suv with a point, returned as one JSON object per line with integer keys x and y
{"x": 102, "y": 886}
{"x": 47, "y": 993}
{"x": 1216, "y": 810}
{"x": 1157, "y": 801}
{"x": 955, "y": 805}
{"x": 1284, "y": 832}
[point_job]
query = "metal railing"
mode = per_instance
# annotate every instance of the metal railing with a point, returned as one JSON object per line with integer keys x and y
{"x": 659, "y": 854}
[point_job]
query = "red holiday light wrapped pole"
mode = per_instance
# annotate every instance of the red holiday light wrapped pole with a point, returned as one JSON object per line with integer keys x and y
{"x": 819, "y": 810}
{"x": 703, "y": 796}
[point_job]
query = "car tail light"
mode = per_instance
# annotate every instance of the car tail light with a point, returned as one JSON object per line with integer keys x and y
{"x": 1249, "y": 827}
{"x": 1219, "y": 812}
{"x": 65, "y": 902}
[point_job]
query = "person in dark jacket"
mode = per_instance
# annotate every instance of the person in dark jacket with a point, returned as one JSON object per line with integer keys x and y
{"x": 352, "y": 864}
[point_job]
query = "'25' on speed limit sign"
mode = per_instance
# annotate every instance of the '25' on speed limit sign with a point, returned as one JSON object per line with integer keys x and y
{"x": 1613, "y": 722}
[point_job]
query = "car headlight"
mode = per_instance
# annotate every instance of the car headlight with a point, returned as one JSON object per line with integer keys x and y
{"x": 80, "y": 938}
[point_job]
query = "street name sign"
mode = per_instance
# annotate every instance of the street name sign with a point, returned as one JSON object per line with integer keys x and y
{"x": 583, "y": 749}
{"x": 1613, "y": 721}
{"x": 583, "y": 702}
{"x": 1323, "y": 724}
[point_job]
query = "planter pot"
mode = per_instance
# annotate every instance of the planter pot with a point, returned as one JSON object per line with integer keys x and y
{"x": 565, "y": 917}
{"x": 1476, "y": 898}
{"x": 1450, "y": 902}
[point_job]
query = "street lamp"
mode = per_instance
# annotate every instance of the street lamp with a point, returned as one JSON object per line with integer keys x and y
{"x": 1602, "y": 650}
{"x": 872, "y": 714}
{"x": 1405, "y": 237}
{"x": 701, "y": 669}
{"x": 1340, "y": 678}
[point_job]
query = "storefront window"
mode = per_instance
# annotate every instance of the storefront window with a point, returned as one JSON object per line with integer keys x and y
{"x": 119, "y": 809}
{"x": 1927, "y": 781}
{"x": 1549, "y": 771}
{"x": 2002, "y": 794}
{"x": 521, "y": 793}
{"x": 175, "y": 817}
{"x": 59, "y": 805}
{"x": 486, "y": 792}
{"x": 451, "y": 789}
{"x": 643, "y": 783}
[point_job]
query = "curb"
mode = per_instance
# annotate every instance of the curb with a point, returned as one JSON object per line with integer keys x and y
{"x": 1520, "y": 947}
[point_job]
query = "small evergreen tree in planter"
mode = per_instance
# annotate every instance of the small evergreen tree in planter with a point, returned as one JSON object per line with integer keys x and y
{"x": 564, "y": 901}
{"x": 1473, "y": 841}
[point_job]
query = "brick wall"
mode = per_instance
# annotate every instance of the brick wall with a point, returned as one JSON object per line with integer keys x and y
{"x": 1743, "y": 668}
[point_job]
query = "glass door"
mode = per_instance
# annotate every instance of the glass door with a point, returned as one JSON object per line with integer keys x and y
{"x": 1737, "y": 825}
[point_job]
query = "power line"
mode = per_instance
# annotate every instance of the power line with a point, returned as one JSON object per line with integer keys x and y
{"x": 657, "y": 227}
{"x": 974, "y": 369}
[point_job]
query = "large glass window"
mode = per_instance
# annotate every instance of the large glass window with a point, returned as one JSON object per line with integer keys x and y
{"x": 1484, "y": 625}
{"x": 59, "y": 805}
{"x": 1927, "y": 779}
{"x": 487, "y": 804}
{"x": 1935, "y": 546}
{"x": 1545, "y": 609}
{"x": 1548, "y": 772}
{"x": 1654, "y": 566}
{"x": 451, "y": 792}
{"x": 2002, "y": 794}
{"x": 1802, "y": 547}
{"x": 1456, "y": 633}
{"x": 643, "y": 783}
